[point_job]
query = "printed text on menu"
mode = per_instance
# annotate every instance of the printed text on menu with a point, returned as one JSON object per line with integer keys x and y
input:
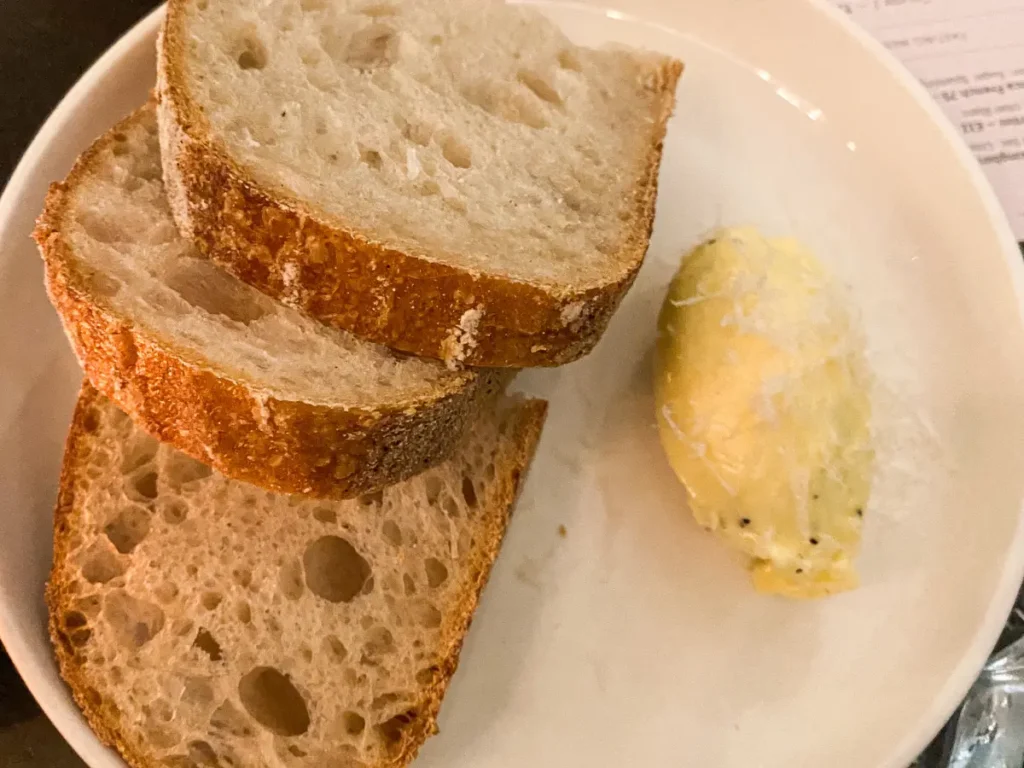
{"x": 970, "y": 56}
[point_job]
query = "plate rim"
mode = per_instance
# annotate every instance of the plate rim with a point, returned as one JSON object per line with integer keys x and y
{"x": 74, "y": 729}
{"x": 959, "y": 679}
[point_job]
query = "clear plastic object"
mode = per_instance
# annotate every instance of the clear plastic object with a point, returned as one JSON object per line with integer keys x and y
{"x": 988, "y": 731}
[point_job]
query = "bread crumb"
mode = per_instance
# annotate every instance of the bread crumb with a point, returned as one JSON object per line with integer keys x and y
{"x": 462, "y": 339}
{"x": 571, "y": 312}
{"x": 412, "y": 164}
{"x": 262, "y": 410}
{"x": 290, "y": 280}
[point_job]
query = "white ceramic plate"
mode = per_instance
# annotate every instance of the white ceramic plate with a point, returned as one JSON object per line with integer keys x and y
{"x": 635, "y": 640}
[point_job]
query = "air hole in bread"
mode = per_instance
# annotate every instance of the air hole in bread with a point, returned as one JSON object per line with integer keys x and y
{"x": 181, "y": 627}
{"x": 89, "y": 605}
{"x": 197, "y": 692}
{"x": 325, "y": 515}
{"x": 392, "y": 532}
{"x": 91, "y": 421}
{"x": 429, "y": 188}
{"x": 334, "y": 569}
{"x": 253, "y": 53}
{"x": 371, "y": 47}
{"x": 409, "y": 584}
{"x": 449, "y": 505}
{"x": 383, "y": 701}
{"x": 100, "y": 564}
{"x": 437, "y": 573}
{"x": 207, "y": 287}
{"x": 379, "y": 10}
{"x": 104, "y": 229}
{"x": 182, "y": 469}
{"x": 93, "y": 697}
{"x": 517, "y": 107}
{"x": 379, "y": 642}
{"x": 174, "y": 511}
{"x": 134, "y": 622}
{"x": 428, "y": 675}
{"x": 162, "y": 737}
{"x": 306, "y": 653}
{"x": 296, "y": 751}
{"x": 272, "y": 700}
{"x": 140, "y": 450}
{"x": 334, "y": 648}
{"x": 143, "y": 485}
{"x": 468, "y": 491}
{"x": 242, "y": 576}
{"x": 371, "y": 158}
{"x": 418, "y": 133}
{"x": 74, "y": 620}
{"x": 456, "y": 152}
{"x": 243, "y": 612}
{"x": 433, "y": 486}
{"x": 115, "y": 675}
{"x": 540, "y": 87}
{"x": 313, "y": 5}
{"x": 211, "y": 600}
{"x": 202, "y": 754}
{"x": 354, "y": 723}
{"x": 289, "y": 580}
{"x": 391, "y": 730}
{"x": 80, "y": 637}
{"x": 160, "y": 710}
{"x": 427, "y": 615}
{"x": 127, "y": 530}
{"x": 436, "y": 39}
{"x": 165, "y": 592}
{"x": 567, "y": 59}
{"x": 104, "y": 285}
{"x": 228, "y": 719}
{"x": 206, "y": 643}
{"x": 372, "y": 499}
{"x": 577, "y": 203}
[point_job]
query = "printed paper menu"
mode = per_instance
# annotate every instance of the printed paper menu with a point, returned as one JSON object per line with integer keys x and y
{"x": 970, "y": 56}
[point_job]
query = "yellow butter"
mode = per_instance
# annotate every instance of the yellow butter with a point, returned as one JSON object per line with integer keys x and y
{"x": 763, "y": 407}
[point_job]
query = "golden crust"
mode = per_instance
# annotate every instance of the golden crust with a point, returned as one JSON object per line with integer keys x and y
{"x": 280, "y": 445}
{"x": 402, "y": 300}
{"x": 105, "y": 720}
{"x": 529, "y": 419}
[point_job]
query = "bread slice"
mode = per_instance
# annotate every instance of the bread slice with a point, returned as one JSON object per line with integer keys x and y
{"x": 200, "y": 621}
{"x": 227, "y": 375}
{"x": 453, "y": 178}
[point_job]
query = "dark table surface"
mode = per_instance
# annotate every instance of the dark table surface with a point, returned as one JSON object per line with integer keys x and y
{"x": 45, "y": 45}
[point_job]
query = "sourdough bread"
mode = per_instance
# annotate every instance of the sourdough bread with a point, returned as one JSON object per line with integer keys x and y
{"x": 453, "y": 178}
{"x": 226, "y": 374}
{"x": 201, "y": 621}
